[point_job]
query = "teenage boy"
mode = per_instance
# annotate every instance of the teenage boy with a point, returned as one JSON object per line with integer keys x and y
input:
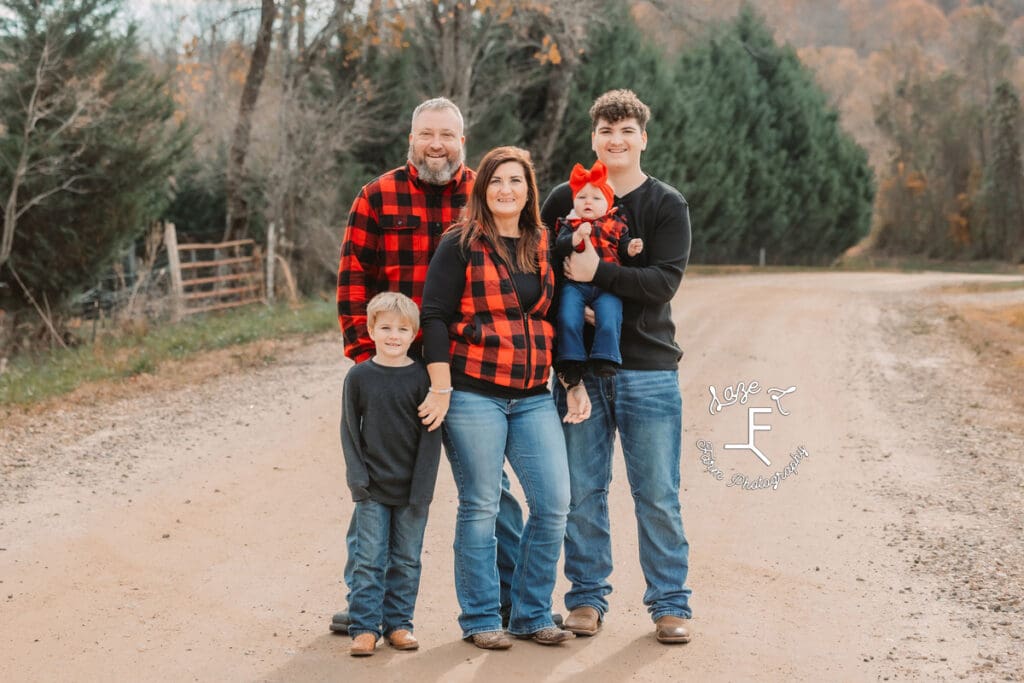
{"x": 642, "y": 401}
{"x": 391, "y": 463}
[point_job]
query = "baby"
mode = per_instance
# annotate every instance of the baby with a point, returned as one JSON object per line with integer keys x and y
{"x": 592, "y": 218}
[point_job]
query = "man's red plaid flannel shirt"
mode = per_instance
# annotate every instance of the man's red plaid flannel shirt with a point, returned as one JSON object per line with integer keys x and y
{"x": 393, "y": 230}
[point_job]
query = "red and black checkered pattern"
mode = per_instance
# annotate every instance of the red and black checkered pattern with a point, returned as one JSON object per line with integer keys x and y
{"x": 494, "y": 339}
{"x": 393, "y": 230}
{"x": 606, "y": 233}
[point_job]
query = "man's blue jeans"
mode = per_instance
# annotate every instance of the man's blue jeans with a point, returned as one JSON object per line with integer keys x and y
{"x": 507, "y": 529}
{"x": 480, "y": 433}
{"x": 574, "y": 297}
{"x": 386, "y": 567}
{"x": 646, "y": 408}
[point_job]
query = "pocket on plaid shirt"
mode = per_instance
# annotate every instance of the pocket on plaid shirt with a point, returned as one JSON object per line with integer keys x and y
{"x": 405, "y": 241}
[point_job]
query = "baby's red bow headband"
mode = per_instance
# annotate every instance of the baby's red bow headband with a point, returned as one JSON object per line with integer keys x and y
{"x": 596, "y": 176}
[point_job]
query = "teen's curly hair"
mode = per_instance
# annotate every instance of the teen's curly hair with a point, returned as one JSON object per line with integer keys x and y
{"x": 615, "y": 105}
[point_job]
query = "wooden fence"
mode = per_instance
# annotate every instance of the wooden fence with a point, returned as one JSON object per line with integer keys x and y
{"x": 209, "y": 277}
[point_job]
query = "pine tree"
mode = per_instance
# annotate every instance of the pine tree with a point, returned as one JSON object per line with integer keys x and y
{"x": 86, "y": 145}
{"x": 823, "y": 174}
{"x": 760, "y": 155}
{"x": 726, "y": 155}
{"x": 1002, "y": 189}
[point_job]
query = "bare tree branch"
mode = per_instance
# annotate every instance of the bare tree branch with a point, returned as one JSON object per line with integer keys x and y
{"x": 40, "y": 107}
{"x": 66, "y": 186}
{"x": 237, "y": 207}
{"x": 309, "y": 56}
{"x": 46, "y": 318}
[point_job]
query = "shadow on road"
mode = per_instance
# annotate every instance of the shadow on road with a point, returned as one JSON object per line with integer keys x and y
{"x": 326, "y": 659}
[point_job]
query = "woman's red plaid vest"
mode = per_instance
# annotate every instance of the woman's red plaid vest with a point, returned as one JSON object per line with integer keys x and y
{"x": 494, "y": 339}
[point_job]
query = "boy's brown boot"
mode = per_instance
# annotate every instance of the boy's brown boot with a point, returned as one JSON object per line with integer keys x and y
{"x": 403, "y": 640}
{"x": 363, "y": 645}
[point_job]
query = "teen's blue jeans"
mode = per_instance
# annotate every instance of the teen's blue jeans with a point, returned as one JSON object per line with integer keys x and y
{"x": 480, "y": 433}
{"x": 386, "y": 567}
{"x": 574, "y": 297}
{"x": 645, "y": 407}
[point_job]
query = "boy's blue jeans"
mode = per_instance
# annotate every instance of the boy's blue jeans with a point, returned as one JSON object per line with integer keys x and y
{"x": 386, "y": 566}
{"x": 508, "y": 528}
{"x": 574, "y": 297}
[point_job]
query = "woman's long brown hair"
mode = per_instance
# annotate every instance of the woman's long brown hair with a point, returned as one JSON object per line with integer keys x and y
{"x": 478, "y": 221}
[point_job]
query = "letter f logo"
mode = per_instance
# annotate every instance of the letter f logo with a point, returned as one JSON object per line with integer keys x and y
{"x": 751, "y": 428}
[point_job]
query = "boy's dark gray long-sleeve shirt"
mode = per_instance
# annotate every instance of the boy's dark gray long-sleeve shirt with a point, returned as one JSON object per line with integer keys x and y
{"x": 390, "y": 456}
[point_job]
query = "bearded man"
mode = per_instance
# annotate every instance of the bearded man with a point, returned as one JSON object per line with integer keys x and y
{"x": 397, "y": 221}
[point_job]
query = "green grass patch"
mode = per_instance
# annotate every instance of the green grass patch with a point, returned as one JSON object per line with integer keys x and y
{"x": 140, "y": 349}
{"x": 984, "y": 287}
{"x": 865, "y": 263}
{"x": 912, "y": 264}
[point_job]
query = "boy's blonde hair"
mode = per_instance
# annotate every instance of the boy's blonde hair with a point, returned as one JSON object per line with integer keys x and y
{"x": 393, "y": 302}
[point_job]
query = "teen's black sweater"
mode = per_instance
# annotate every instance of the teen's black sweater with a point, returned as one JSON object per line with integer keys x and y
{"x": 658, "y": 214}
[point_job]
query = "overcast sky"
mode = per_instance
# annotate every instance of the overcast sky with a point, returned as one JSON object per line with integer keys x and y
{"x": 173, "y": 22}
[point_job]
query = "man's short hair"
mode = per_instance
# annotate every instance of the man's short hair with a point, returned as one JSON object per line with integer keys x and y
{"x": 393, "y": 302}
{"x": 616, "y": 105}
{"x": 435, "y": 104}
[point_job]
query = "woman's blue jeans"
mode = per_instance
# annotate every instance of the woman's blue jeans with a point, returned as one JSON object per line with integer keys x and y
{"x": 386, "y": 566}
{"x": 645, "y": 407}
{"x": 480, "y": 433}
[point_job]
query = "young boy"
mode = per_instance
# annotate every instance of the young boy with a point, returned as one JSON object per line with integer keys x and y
{"x": 591, "y": 219}
{"x": 391, "y": 461}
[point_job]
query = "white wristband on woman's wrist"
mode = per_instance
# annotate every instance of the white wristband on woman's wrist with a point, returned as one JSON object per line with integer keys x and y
{"x": 440, "y": 391}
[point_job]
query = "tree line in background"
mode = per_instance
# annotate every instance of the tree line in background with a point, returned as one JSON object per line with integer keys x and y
{"x": 237, "y": 116}
{"x": 86, "y": 149}
{"x": 955, "y": 186}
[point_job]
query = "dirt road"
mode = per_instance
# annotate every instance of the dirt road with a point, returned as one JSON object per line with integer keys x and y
{"x": 197, "y": 533}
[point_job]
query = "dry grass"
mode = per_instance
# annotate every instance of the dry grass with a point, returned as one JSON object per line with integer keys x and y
{"x": 996, "y": 335}
{"x": 982, "y": 287}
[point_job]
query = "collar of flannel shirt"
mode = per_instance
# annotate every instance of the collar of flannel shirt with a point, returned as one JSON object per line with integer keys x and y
{"x": 414, "y": 176}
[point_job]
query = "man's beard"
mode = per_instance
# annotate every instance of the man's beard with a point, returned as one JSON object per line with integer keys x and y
{"x": 442, "y": 175}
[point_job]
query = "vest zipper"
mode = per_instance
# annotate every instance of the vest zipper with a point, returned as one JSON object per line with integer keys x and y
{"x": 522, "y": 312}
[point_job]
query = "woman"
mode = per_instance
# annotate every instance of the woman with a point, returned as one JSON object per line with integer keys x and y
{"x": 487, "y": 344}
